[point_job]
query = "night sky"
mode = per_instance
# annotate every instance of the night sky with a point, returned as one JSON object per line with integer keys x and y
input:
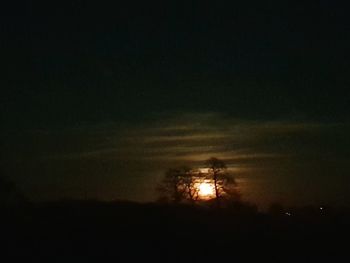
{"x": 98, "y": 99}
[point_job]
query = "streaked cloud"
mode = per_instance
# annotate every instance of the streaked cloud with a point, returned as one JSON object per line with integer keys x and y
{"x": 269, "y": 158}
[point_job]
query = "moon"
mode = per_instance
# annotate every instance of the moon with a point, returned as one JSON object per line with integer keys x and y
{"x": 206, "y": 190}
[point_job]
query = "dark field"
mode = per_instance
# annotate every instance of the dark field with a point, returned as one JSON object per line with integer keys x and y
{"x": 124, "y": 232}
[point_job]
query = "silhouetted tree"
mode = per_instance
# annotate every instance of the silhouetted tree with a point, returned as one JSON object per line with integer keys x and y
{"x": 180, "y": 185}
{"x": 171, "y": 188}
{"x": 224, "y": 183}
{"x": 189, "y": 181}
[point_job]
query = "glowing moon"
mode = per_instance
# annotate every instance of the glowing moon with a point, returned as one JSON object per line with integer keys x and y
{"x": 206, "y": 190}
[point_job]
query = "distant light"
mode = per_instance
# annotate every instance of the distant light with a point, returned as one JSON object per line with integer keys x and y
{"x": 321, "y": 208}
{"x": 288, "y": 214}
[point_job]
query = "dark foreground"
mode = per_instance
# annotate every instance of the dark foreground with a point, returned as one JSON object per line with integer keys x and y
{"x": 127, "y": 232}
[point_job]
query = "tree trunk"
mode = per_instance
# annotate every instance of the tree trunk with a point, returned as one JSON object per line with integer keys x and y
{"x": 217, "y": 194}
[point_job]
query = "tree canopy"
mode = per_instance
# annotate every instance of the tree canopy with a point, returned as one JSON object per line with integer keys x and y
{"x": 206, "y": 184}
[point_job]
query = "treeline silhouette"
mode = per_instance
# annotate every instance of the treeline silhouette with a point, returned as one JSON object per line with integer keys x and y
{"x": 181, "y": 228}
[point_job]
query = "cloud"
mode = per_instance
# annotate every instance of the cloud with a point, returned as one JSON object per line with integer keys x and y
{"x": 271, "y": 159}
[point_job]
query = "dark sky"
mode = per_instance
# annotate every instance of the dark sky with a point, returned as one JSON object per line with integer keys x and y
{"x": 105, "y": 97}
